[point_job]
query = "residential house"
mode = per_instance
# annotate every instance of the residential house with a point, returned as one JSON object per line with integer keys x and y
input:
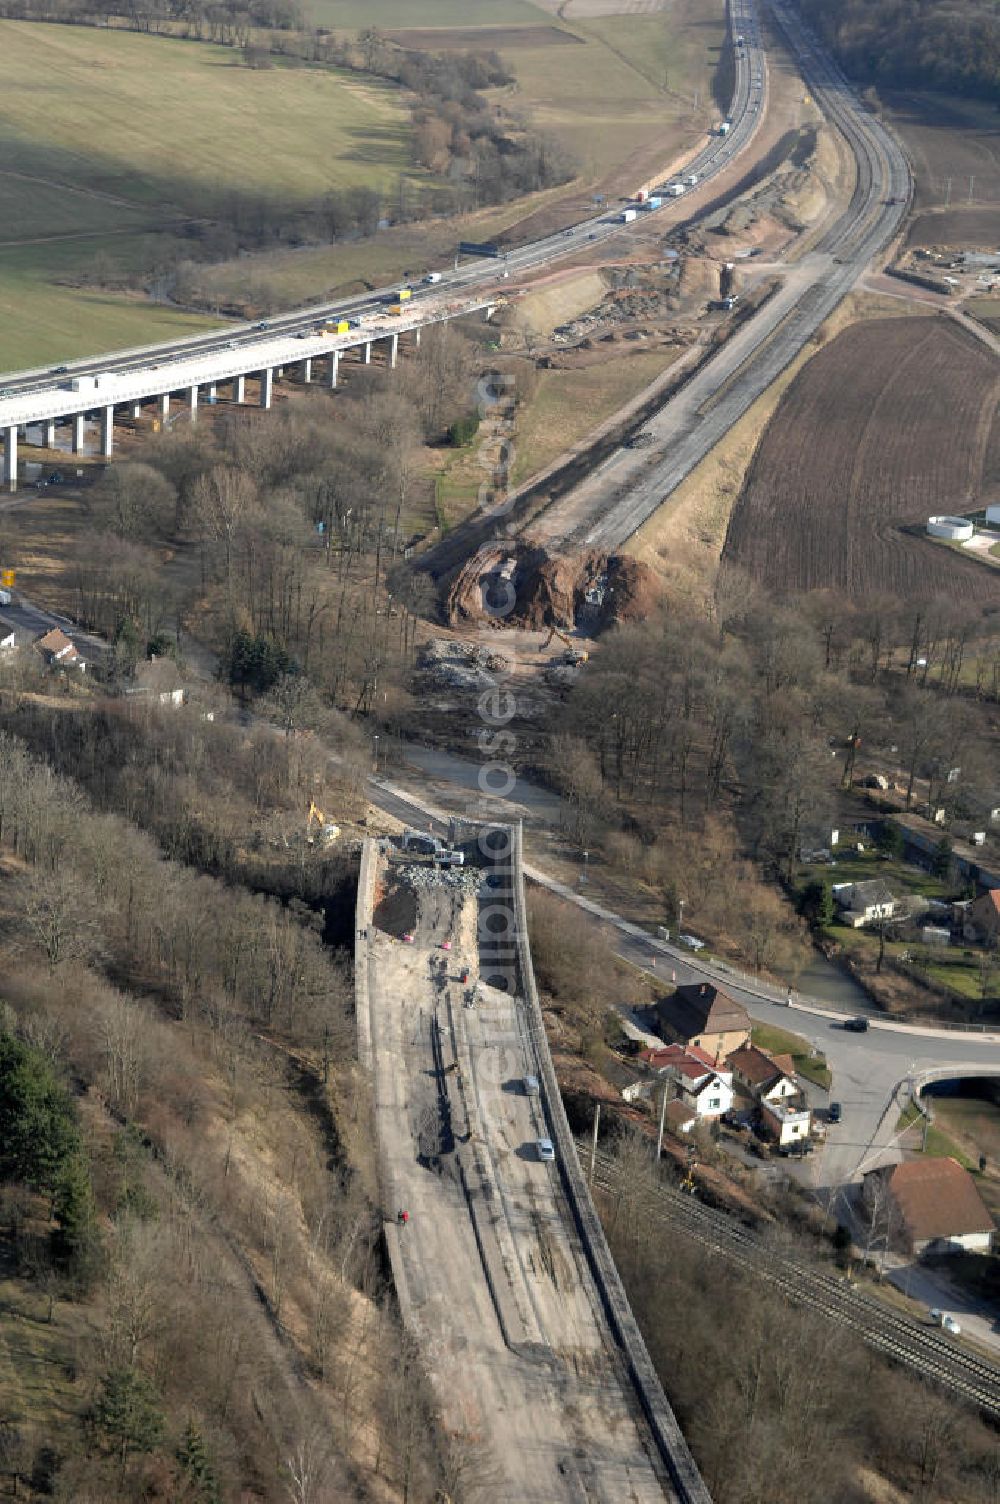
{"x": 983, "y": 917}
{"x": 784, "y": 1123}
{"x": 929, "y": 1206}
{"x": 693, "y": 1079}
{"x": 763, "y": 1076}
{"x": 58, "y": 651}
{"x": 703, "y": 1017}
{"x": 863, "y": 903}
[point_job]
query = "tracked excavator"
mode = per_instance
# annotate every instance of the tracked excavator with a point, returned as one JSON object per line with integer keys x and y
{"x": 573, "y": 655}
{"x": 326, "y": 832}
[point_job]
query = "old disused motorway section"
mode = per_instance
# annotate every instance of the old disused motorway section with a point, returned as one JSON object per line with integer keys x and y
{"x": 502, "y": 1271}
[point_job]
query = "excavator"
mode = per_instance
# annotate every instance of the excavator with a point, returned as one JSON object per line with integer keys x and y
{"x": 328, "y": 833}
{"x": 573, "y": 655}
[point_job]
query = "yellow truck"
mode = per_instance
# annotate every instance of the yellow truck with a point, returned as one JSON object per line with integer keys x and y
{"x": 340, "y": 327}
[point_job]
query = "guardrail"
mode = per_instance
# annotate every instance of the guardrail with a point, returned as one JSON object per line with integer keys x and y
{"x": 671, "y": 1446}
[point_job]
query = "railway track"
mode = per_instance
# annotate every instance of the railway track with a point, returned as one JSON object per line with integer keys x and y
{"x": 897, "y": 1336}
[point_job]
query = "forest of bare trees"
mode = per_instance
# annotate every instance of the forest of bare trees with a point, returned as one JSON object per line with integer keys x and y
{"x": 238, "y": 1333}
{"x": 701, "y": 754}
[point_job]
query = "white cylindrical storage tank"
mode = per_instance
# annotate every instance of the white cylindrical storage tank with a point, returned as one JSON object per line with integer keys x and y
{"x": 956, "y": 529}
{"x": 993, "y": 514}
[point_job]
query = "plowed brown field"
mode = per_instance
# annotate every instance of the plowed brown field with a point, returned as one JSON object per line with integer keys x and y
{"x": 888, "y": 424}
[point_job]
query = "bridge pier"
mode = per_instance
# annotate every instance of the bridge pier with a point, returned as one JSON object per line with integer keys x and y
{"x": 239, "y": 388}
{"x": 266, "y": 386}
{"x": 10, "y": 457}
{"x": 416, "y": 334}
{"x": 164, "y": 404}
{"x": 334, "y": 368}
{"x": 193, "y": 402}
{"x": 79, "y": 424}
{"x": 49, "y": 433}
{"x": 393, "y": 350}
{"x": 368, "y": 353}
{"x": 307, "y": 370}
{"x": 107, "y": 432}
{"x": 213, "y": 391}
{"x": 136, "y": 409}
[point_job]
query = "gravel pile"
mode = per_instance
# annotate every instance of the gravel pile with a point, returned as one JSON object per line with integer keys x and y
{"x": 462, "y": 879}
{"x": 462, "y": 665}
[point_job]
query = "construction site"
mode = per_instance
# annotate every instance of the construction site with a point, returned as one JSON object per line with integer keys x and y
{"x": 493, "y": 1267}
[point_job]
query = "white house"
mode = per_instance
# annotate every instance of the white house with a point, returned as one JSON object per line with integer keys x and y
{"x": 785, "y": 1124}
{"x": 693, "y": 1079}
{"x": 861, "y": 903}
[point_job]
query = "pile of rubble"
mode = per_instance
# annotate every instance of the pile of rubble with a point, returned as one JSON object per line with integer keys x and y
{"x": 462, "y": 665}
{"x": 462, "y": 879}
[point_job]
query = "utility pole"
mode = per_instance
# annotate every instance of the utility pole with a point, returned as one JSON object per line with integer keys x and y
{"x": 593, "y": 1144}
{"x": 947, "y": 197}
{"x": 971, "y": 181}
{"x": 663, "y": 1115}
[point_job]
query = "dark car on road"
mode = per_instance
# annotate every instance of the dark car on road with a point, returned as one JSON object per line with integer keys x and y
{"x": 835, "y": 1112}
{"x": 856, "y": 1025}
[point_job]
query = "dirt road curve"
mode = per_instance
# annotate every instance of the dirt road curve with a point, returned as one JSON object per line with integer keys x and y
{"x": 491, "y": 1276}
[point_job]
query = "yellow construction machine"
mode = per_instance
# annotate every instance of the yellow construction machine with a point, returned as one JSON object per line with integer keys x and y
{"x": 573, "y": 654}
{"x": 328, "y": 832}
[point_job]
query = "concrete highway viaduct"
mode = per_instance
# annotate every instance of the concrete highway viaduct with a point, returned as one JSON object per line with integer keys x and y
{"x": 313, "y": 355}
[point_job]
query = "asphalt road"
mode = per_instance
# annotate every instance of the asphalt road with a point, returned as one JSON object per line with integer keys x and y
{"x": 473, "y": 278}
{"x": 614, "y": 502}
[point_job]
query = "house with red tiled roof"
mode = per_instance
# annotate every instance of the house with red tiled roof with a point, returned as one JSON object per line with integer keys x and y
{"x": 58, "y": 650}
{"x": 929, "y": 1206}
{"x": 693, "y": 1079}
{"x": 983, "y": 917}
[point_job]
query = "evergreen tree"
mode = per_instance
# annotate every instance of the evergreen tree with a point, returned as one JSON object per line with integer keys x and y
{"x": 127, "y": 1414}
{"x": 196, "y": 1465}
{"x": 38, "y": 1132}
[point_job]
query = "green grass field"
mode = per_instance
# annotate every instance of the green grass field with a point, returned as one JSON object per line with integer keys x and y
{"x": 108, "y": 139}
{"x": 783, "y": 1042}
{"x": 354, "y": 15}
{"x": 568, "y": 404}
